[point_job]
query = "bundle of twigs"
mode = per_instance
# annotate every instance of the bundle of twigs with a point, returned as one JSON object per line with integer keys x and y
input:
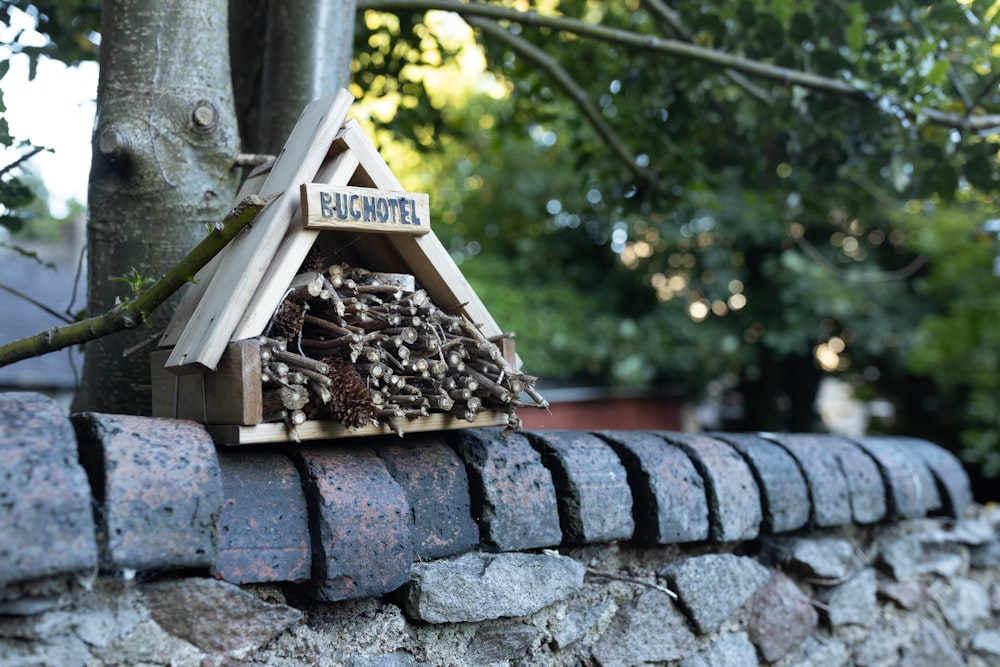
{"x": 371, "y": 348}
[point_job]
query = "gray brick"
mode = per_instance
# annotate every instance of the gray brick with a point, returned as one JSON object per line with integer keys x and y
{"x": 513, "y": 497}
{"x": 952, "y": 480}
{"x": 362, "y": 544}
{"x": 829, "y": 495}
{"x": 784, "y": 494}
{"x": 734, "y": 507}
{"x": 159, "y": 487}
{"x": 905, "y": 478}
{"x": 46, "y": 522}
{"x": 595, "y": 503}
{"x": 264, "y": 525}
{"x": 668, "y": 493}
{"x": 437, "y": 488}
{"x": 864, "y": 480}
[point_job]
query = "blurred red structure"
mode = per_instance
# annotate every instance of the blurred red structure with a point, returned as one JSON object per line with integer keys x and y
{"x": 590, "y": 409}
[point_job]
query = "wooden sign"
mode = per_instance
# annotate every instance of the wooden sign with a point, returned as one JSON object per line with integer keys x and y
{"x": 364, "y": 209}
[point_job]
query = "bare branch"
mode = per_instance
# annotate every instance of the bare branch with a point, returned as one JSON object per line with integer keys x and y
{"x": 782, "y": 75}
{"x": 667, "y": 14}
{"x": 572, "y": 89}
{"x": 24, "y": 158}
{"x": 36, "y": 303}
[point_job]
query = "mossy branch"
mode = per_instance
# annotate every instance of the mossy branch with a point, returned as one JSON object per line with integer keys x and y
{"x": 136, "y": 311}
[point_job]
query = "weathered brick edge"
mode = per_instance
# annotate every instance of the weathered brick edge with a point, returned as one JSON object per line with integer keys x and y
{"x": 348, "y": 519}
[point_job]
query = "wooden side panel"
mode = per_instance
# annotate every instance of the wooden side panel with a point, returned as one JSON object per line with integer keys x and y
{"x": 193, "y": 291}
{"x": 175, "y": 397}
{"x": 292, "y": 251}
{"x": 364, "y": 210}
{"x": 246, "y": 260}
{"x": 232, "y": 394}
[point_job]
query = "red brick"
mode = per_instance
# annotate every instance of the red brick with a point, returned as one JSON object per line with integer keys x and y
{"x": 513, "y": 497}
{"x": 829, "y": 493}
{"x": 437, "y": 488}
{"x": 158, "y": 484}
{"x": 668, "y": 493}
{"x": 734, "y": 507}
{"x": 46, "y": 522}
{"x": 360, "y": 518}
{"x": 784, "y": 495}
{"x": 264, "y": 525}
{"x": 595, "y": 502}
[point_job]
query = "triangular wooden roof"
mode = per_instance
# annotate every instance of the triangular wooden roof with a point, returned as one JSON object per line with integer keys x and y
{"x": 236, "y": 295}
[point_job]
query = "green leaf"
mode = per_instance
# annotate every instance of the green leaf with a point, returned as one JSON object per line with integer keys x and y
{"x": 938, "y": 72}
{"x": 802, "y": 27}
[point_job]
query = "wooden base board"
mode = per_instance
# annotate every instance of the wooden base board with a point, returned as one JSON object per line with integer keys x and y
{"x": 277, "y": 433}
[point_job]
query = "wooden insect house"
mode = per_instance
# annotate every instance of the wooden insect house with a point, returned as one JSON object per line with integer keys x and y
{"x": 337, "y": 313}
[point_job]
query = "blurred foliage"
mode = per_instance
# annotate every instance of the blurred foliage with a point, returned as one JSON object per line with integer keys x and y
{"x": 959, "y": 344}
{"x": 791, "y": 231}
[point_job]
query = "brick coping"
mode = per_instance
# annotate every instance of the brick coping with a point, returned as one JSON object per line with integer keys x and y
{"x": 347, "y": 520}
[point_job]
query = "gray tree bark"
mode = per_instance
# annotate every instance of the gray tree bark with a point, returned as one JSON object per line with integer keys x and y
{"x": 163, "y": 149}
{"x": 286, "y": 53}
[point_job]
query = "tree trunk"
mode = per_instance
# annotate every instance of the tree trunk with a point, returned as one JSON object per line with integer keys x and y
{"x": 286, "y": 53}
{"x": 163, "y": 150}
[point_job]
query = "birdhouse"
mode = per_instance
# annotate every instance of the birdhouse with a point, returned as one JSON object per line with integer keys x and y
{"x": 337, "y": 313}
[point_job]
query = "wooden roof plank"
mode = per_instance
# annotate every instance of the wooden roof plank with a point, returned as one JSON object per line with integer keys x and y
{"x": 293, "y": 250}
{"x": 194, "y": 291}
{"x": 247, "y": 258}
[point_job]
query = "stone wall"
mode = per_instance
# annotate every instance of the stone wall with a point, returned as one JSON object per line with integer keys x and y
{"x": 129, "y": 541}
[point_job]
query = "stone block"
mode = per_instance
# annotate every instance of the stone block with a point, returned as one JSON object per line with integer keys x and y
{"x": 649, "y": 628}
{"x": 964, "y": 603}
{"x": 159, "y": 488}
{"x": 513, "y": 497}
{"x": 479, "y": 586}
{"x": 437, "y": 489}
{"x": 952, "y": 480}
{"x": 502, "y": 643}
{"x": 46, "y": 520}
{"x": 784, "y": 495}
{"x": 905, "y": 477}
{"x": 734, "y": 510}
{"x": 264, "y": 524}
{"x": 711, "y": 587}
{"x": 360, "y": 518}
{"x": 815, "y": 558}
{"x": 668, "y": 493}
{"x": 929, "y": 645}
{"x": 852, "y": 602}
{"x": 595, "y": 502}
{"x": 781, "y": 618}
{"x": 215, "y": 616}
{"x": 731, "y": 650}
{"x": 829, "y": 494}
